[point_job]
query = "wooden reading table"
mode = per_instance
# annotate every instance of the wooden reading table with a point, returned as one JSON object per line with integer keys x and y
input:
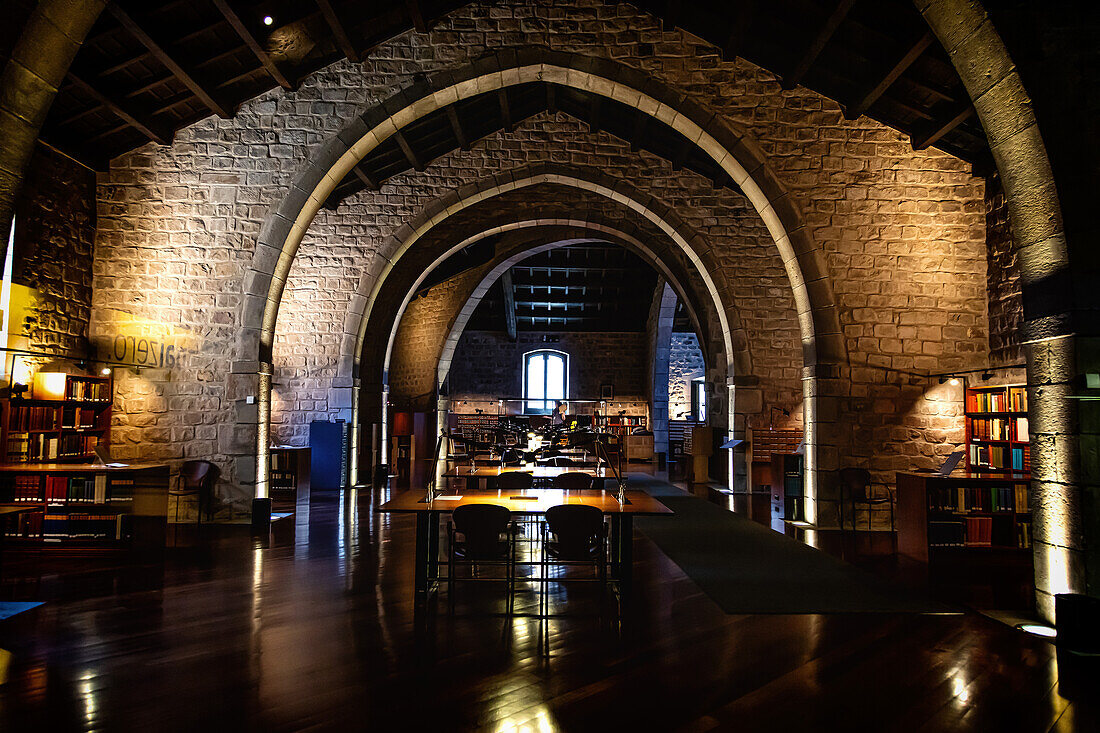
{"x": 529, "y": 502}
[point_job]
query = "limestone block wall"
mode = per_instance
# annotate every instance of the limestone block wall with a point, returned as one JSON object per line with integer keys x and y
{"x": 55, "y": 223}
{"x": 1006, "y": 303}
{"x": 903, "y": 232}
{"x": 685, "y": 363}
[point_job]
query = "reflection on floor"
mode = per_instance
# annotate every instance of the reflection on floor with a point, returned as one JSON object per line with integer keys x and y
{"x": 314, "y": 628}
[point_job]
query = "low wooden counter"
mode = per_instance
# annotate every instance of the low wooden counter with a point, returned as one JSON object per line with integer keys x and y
{"x": 135, "y": 494}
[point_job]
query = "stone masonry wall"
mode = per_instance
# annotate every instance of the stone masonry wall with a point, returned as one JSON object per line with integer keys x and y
{"x": 903, "y": 232}
{"x": 1006, "y": 305}
{"x": 685, "y": 363}
{"x": 487, "y": 365}
{"x": 54, "y": 237}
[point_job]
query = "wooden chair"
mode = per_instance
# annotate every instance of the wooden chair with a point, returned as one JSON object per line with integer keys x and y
{"x": 573, "y": 534}
{"x": 856, "y": 482}
{"x": 197, "y": 478}
{"x": 480, "y": 534}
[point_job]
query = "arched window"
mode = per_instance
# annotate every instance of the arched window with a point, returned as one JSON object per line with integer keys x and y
{"x": 545, "y": 380}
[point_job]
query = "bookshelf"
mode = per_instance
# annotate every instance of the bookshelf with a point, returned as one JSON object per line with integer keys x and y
{"x": 289, "y": 475}
{"x": 84, "y": 507}
{"x": 997, "y": 437}
{"x": 66, "y": 418}
{"x": 966, "y": 512}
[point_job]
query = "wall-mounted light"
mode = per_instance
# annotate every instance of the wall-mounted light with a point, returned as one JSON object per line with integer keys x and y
{"x": 948, "y": 379}
{"x": 49, "y": 386}
{"x": 105, "y": 371}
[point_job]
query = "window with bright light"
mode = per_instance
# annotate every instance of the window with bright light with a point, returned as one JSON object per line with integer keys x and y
{"x": 545, "y": 380}
{"x": 699, "y": 400}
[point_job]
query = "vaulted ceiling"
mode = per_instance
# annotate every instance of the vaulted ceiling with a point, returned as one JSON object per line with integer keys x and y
{"x": 151, "y": 67}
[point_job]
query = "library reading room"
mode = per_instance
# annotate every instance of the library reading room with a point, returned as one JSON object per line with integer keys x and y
{"x": 549, "y": 365}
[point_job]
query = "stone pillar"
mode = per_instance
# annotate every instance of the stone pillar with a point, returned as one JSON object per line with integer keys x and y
{"x": 1054, "y": 324}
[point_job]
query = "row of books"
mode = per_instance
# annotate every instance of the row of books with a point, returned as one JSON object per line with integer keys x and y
{"x": 963, "y": 499}
{"x": 990, "y": 428}
{"x": 54, "y": 489}
{"x": 89, "y": 391}
{"x": 1014, "y": 400}
{"x": 28, "y": 417}
{"x": 53, "y": 526}
{"x": 979, "y": 532}
{"x": 1001, "y": 457}
{"x": 79, "y": 417}
{"x": 58, "y": 527}
{"x": 78, "y": 446}
{"x": 32, "y": 447}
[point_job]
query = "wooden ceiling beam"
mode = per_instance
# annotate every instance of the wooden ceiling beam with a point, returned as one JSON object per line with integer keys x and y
{"x": 941, "y": 127}
{"x": 742, "y": 15}
{"x": 343, "y": 41}
{"x": 594, "y": 104}
{"x": 857, "y": 110}
{"x": 410, "y": 154}
{"x": 142, "y": 37}
{"x": 456, "y": 127}
{"x": 509, "y": 304}
{"x": 145, "y": 127}
{"x": 813, "y": 50}
{"x": 505, "y": 110}
{"x": 368, "y": 180}
{"x": 245, "y": 34}
{"x": 416, "y": 15}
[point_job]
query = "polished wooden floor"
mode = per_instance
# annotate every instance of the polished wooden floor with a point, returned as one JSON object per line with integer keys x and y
{"x": 315, "y": 629}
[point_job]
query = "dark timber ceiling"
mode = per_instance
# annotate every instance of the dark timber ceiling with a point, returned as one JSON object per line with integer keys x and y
{"x": 151, "y": 67}
{"x": 580, "y": 287}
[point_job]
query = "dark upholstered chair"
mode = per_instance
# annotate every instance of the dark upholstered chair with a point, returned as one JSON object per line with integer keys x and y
{"x": 480, "y": 534}
{"x": 197, "y": 478}
{"x": 511, "y": 480}
{"x": 856, "y": 483}
{"x": 574, "y": 534}
{"x": 573, "y": 480}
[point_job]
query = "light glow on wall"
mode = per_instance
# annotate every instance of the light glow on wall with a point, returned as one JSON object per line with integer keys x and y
{"x": 49, "y": 386}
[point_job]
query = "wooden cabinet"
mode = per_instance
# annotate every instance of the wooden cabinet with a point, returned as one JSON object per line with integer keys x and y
{"x": 966, "y": 512}
{"x": 289, "y": 475}
{"x": 639, "y": 447}
{"x": 84, "y": 507}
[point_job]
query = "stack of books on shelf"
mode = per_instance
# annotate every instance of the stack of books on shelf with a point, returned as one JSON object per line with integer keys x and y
{"x": 59, "y": 526}
{"x": 89, "y": 390}
{"x": 32, "y": 417}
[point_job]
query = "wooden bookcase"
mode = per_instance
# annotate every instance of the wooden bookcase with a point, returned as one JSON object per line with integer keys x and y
{"x": 289, "y": 475}
{"x": 61, "y": 423}
{"x": 967, "y": 512}
{"x": 997, "y": 438}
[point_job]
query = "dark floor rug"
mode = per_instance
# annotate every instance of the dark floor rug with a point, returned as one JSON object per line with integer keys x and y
{"x": 747, "y": 568}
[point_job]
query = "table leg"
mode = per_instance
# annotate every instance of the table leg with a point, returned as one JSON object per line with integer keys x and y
{"x": 427, "y": 564}
{"x": 626, "y": 554}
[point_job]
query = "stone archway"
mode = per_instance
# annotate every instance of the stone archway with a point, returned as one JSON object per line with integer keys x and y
{"x": 737, "y": 155}
{"x": 1058, "y": 466}
{"x": 730, "y": 362}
